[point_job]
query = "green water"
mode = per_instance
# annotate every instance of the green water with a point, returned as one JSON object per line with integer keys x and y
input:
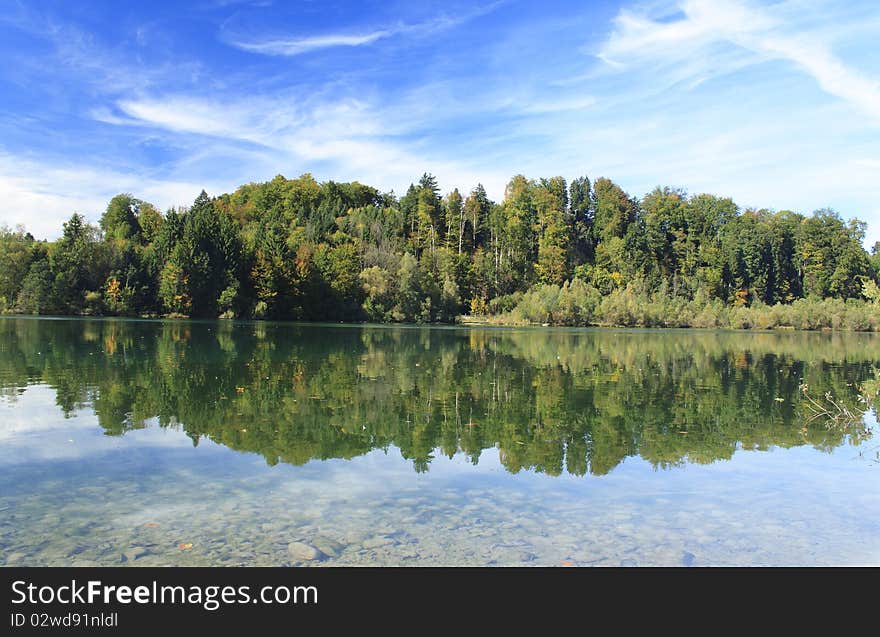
{"x": 125, "y": 442}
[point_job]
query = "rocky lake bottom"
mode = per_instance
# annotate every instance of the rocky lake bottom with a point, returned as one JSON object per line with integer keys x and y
{"x": 152, "y": 499}
{"x": 184, "y": 443}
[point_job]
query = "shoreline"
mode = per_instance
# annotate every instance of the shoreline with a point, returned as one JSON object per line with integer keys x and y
{"x": 461, "y": 321}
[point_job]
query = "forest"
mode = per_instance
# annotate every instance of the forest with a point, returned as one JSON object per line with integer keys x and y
{"x": 551, "y": 252}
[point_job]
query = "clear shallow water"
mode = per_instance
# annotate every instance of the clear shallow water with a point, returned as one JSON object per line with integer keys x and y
{"x": 409, "y": 446}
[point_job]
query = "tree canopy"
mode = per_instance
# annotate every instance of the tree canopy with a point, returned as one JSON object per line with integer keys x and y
{"x": 303, "y": 250}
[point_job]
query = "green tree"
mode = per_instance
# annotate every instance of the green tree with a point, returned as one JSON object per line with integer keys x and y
{"x": 550, "y": 200}
{"x": 580, "y": 202}
{"x": 409, "y": 290}
{"x": 79, "y": 265}
{"x": 666, "y": 230}
{"x": 831, "y": 255}
{"x": 450, "y": 301}
{"x": 340, "y": 266}
{"x": 17, "y": 252}
{"x": 476, "y": 208}
{"x": 613, "y": 210}
{"x": 174, "y": 285}
{"x": 206, "y": 257}
{"x": 120, "y": 219}
{"x": 429, "y": 214}
{"x": 518, "y": 231}
{"x": 34, "y": 297}
{"x": 456, "y": 221}
{"x": 379, "y": 293}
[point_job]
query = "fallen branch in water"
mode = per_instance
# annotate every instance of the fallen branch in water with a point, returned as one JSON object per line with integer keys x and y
{"x": 835, "y": 411}
{"x": 836, "y": 414}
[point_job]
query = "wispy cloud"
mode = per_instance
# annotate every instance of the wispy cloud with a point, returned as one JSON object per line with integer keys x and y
{"x": 300, "y": 44}
{"x": 715, "y": 37}
{"x": 538, "y": 107}
{"x": 77, "y": 57}
{"x": 765, "y": 103}
{"x": 275, "y": 122}
{"x": 297, "y": 46}
{"x": 341, "y": 139}
{"x": 44, "y": 195}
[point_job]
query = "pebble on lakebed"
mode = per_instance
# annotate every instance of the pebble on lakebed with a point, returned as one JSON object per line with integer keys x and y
{"x": 304, "y": 552}
{"x": 133, "y": 553}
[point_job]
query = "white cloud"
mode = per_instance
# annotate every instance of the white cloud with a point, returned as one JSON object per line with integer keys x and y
{"x": 748, "y": 140}
{"x": 757, "y": 137}
{"x": 538, "y": 107}
{"x": 831, "y": 74}
{"x": 297, "y": 46}
{"x": 868, "y": 162}
{"x": 42, "y": 196}
{"x": 342, "y": 139}
{"x": 687, "y": 48}
{"x": 189, "y": 115}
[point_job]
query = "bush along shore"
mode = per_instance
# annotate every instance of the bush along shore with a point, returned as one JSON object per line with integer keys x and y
{"x": 550, "y": 252}
{"x": 577, "y": 304}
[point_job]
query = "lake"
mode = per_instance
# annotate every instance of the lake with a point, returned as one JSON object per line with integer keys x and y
{"x": 255, "y": 443}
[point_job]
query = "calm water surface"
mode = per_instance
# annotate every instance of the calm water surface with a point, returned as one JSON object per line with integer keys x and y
{"x": 220, "y": 443}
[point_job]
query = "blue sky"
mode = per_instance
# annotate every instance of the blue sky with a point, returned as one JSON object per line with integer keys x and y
{"x": 774, "y": 104}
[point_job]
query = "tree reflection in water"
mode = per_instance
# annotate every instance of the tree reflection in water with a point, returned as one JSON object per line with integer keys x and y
{"x": 553, "y": 401}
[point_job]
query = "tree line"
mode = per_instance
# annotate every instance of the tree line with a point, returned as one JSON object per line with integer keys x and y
{"x": 578, "y": 253}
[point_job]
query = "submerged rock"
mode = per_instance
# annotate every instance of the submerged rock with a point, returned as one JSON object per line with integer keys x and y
{"x": 14, "y": 558}
{"x": 133, "y": 553}
{"x": 377, "y": 541}
{"x": 304, "y": 552}
{"x": 84, "y": 563}
{"x": 328, "y": 546}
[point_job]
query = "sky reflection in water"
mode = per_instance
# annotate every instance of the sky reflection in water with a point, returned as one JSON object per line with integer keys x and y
{"x": 429, "y": 446}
